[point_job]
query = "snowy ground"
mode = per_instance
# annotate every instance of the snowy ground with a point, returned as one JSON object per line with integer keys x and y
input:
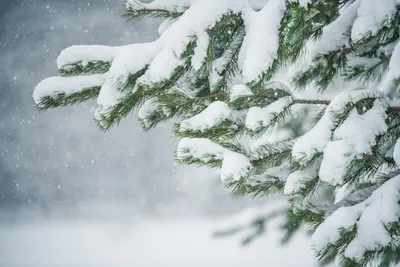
{"x": 146, "y": 244}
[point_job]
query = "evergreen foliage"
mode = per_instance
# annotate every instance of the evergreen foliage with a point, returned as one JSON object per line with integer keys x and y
{"x": 296, "y": 97}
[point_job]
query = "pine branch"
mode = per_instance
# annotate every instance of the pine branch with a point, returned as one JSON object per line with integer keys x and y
{"x": 323, "y": 70}
{"x": 272, "y": 154}
{"x": 142, "y": 12}
{"x": 211, "y": 161}
{"x": 258, "y": 225}
{"x": 227, "y": 128}
{"x": 94, "y": 67}
{"x": 63, "y": 99}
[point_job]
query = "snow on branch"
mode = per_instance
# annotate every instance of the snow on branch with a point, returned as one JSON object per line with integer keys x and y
{"x": 79, "y": 59}
{"x": 263, "y": 119}
{"x": 371, "y": 16}
{"x": 170, "y": 6}
{"x": 63, "y": 91}
{"x": 350, "y": 143}
{"x": 261, "y": 43}
{"x": 200, "y": 151}
{"x": 364, "y": 227}
{"x": 203, "y": 152}
{"x": 213, "y": 115}
{"x": 235, "y": 166}
{"x": 315, "y": 140}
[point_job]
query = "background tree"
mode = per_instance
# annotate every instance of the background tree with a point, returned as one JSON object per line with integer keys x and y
{"x": 287, "y": 96}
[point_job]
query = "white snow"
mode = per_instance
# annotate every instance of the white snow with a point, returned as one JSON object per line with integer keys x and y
{"x": 170, "y": 5}
{"x": 165, "y": 25}
{"x": 158, "y": 70}
{"x": 68, "y": 85}
{"x": 261, "y": 117}
{"x": 148, "y": 243}
{"x": 337, "y": 155}
{"x": 370, "y": 17}
{"x": 174, "y": 40}
{"x": 365, "y": 62}
{"x": 351, "y": 140}
{"x": 394, "y": 65}
{"x": 370, "y": 216}
{"x": 211, "y": 116}
{"x": 276, "y": 135}
{"x": 199, "y": 148}
{"x": 328, "y": 232}
{"x": 335, "y": 35}
{"x": 372, "y": 123}
{"x": 108, "y": 97}
{"x": 382, "y": 209}
{"x": 218, "y": 66}
{"x": 125, "y": 60}
{"x": 317, "y": 138}
{"x": 258, "y": 4}
{"x": 239, "y": 90}
{"x": 341, "y": 193}
{"x": 304, "y": 2}
{"x": 146, "y": 110}
{"x": 200, "y": 51}
{"x": 393, "y": 71}
{"x": 396, "y": 152}
{"x": 131, "y": 60}
{"x": 86, "y": 53}
{"x": 261, "y": 42}
{"x": 234, "y": 166}
{"x": 296, "y": 181}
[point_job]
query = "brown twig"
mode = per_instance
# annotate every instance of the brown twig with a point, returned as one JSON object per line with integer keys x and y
{"x": 206, "y": 97}
{"x": 311, "y": 101}
{"x": 393, "y": 109}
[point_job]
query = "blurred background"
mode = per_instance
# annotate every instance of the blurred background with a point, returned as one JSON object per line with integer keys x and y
{"x": 71, "y": 195}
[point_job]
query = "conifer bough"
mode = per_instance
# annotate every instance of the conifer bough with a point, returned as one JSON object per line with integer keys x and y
{"x": 290, "y": 96}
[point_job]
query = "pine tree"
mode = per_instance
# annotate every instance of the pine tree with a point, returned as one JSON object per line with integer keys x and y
{"x": 296, "y": 97}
